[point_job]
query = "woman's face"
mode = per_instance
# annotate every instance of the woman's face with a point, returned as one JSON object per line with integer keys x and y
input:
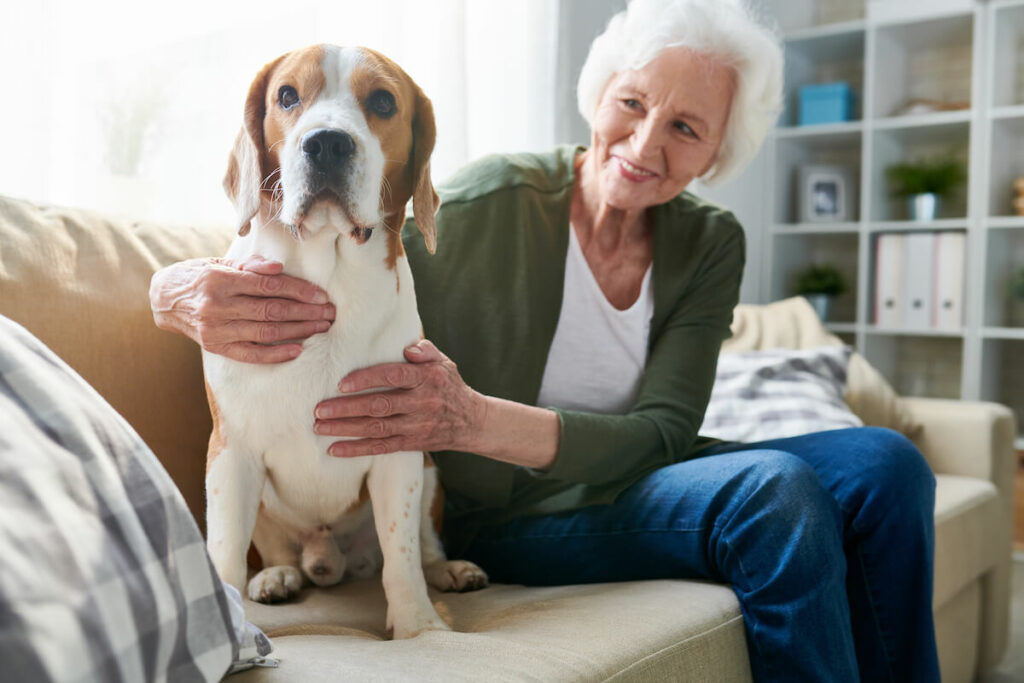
{"x": 659, "y": 127}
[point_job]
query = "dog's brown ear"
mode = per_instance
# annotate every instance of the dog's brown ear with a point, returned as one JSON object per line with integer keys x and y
{"x": 425, "y": 201}
{"x": 244, "y": 177}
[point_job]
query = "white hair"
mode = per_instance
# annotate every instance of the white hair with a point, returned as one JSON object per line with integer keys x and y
{"x": 728, "y": 32}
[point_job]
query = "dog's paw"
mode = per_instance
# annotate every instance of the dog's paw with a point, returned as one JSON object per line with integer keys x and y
{"x": 275, "y": 584}
{"x": 455, "y": 575}
{"x": 411, "y": 625}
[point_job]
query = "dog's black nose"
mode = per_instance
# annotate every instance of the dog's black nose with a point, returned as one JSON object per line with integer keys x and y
{"x": 327, "y": 148}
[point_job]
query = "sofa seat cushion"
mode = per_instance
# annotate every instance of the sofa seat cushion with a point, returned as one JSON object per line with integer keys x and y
{"x": 644, "y": 630}
{"x": 966, "y": 511}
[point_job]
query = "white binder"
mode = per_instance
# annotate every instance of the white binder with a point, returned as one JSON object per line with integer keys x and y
{"x": 889, "y": 280}
{"x": 950, "y": 253}
{"x": 918, "y": 280}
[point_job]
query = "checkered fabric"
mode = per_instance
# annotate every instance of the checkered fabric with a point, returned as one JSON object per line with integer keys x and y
{"x": 104, "y": 575}
{"x": 777, "y": 393}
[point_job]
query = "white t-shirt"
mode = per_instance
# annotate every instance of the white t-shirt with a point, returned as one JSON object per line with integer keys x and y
{"x": 598, "y": 354}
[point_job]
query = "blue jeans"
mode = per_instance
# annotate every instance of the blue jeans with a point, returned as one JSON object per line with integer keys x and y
{"x": 827, "y": 540}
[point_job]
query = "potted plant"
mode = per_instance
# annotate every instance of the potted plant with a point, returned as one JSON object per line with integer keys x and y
{"x": 819, "y": 284}
{"x": 924, "y": 184}
{"x": 1016, "y": 317}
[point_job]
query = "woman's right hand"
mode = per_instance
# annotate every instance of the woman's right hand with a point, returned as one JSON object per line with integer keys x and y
{"x": 242, "y": 310}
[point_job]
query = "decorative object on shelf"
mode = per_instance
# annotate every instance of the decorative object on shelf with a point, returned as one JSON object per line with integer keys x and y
{"x": 1018, "y": 196}
{"x": 826, "y": 103}
{"x": 819, "y": 284}
{"x": 924, "y": 184}
{"x": 826, "y": 194}
{"x": 924, "y": 106}
{"x": 1016, "y": 299}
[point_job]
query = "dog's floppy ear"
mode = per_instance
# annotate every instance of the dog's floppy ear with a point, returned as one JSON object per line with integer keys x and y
{"x": 424, "y": 199}
{"x": 244, "y": 177}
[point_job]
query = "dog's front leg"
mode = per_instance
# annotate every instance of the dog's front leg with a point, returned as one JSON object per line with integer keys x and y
{"x": 234, "y": 485}
{"x": 395, "y": 483}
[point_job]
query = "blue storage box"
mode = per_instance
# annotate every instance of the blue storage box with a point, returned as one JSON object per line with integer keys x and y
{"x": 826, "y": 103}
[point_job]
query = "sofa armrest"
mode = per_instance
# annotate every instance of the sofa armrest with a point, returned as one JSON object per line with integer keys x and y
{"x": 967, "y": 438}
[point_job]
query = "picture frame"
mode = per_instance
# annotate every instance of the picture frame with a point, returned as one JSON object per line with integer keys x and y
{"x": 826, "y": 194}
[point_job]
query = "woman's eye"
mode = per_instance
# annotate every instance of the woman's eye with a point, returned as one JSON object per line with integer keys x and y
{"x": 382, "y": 103}
{"x": 685, "y": 129}
{"x": 631, "y": 103}
{"x": 287, "y": 97}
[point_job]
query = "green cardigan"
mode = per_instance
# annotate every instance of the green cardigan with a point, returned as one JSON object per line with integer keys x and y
{"x": 490, "y": 299}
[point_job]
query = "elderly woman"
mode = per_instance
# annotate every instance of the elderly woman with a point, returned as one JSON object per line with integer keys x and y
{"x": 584, "y": 295}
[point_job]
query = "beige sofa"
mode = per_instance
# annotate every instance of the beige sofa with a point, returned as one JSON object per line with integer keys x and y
{"x": 79, "y": 282}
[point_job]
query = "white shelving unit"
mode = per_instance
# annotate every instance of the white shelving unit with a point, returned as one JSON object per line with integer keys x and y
{"x": 971, "y": 52}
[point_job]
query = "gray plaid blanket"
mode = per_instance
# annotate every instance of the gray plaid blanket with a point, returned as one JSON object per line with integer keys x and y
{"x": 104, "y": 575}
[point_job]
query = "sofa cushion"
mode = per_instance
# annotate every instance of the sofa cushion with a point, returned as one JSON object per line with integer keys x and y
{"x": 593, "y": 632}
{"x": 966, "y": 511}
{"x": 778, "y": 393}
{"x": 79, "y": 281}
{"x": 793, "y": 324}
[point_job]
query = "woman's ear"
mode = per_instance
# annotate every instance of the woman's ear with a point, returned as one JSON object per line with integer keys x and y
{"x": 244, "y": 177}
{"x": 425, "y": 201}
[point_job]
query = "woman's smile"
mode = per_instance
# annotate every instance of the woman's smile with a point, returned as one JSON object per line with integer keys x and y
{"x": 633, "y": 172}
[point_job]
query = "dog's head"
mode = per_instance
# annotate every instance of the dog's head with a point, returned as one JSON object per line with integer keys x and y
{"x": 334, "y": 135}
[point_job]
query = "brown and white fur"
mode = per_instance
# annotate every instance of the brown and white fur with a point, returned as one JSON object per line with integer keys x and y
{"x": 351, "y": 142}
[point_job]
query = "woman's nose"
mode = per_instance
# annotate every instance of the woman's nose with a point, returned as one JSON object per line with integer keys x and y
{"x": 646, "y": 137}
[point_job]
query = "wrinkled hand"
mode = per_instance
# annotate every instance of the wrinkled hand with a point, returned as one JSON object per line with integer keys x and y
{"x": 426, "y": 406}
{"x": 242, "y": 310}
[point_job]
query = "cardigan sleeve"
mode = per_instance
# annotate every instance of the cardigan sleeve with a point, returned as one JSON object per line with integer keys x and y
{"x": 662, "y": 426}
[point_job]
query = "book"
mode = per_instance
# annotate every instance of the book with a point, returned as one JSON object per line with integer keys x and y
{"x": 950, "y": 252}
{"x": 918, "y": 280}
{"x": 889, "y": 280}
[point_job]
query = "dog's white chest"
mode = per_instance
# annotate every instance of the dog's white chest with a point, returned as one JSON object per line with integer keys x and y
{"x": 268, "y": 410}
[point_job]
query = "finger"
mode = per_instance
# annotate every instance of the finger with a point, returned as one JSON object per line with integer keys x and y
{"x": 361, "y": 447}
{"x": 272, "y": 333}
{"x": 257, "y": 264}
{"x": 382, "y": 404}
{"x": 279, "y": 286}
{"x": 386, "y": 375}
{"x": 278, "y": 310}
{"x": 423, "y": 351}
{"x": 368, "y": 427}
{"x": 247, "y": 352}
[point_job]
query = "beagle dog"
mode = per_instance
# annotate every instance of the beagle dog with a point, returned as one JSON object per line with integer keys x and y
{"x": 334, "y": 143}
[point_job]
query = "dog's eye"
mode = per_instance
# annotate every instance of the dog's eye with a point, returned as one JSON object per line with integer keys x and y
{"x": 287, "y": 97}
{"x": 382, "y": 103}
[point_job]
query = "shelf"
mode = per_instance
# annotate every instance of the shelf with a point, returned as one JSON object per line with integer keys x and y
{"x": 1004, "y": 256}
{"x": 918, "y": 363}
{"x": 1005, "y": 222}
{"x": 919, "y": 226}
{"x": 946, "y": 137}
{"x": 907, "y": 332}
{"x": 1015, "y": 333}
{"x": 842, "y": 328}
{"x": 1002, "y": 374}
{"x": 830, "y": 129}
{"x": 837, "y": 30}
{"x": 815, "y": 228}
{"x": 1006, "y": 52}
{"x": 913, "y": 60}
{"x": 1014, "y": 111}
{"x": 938, "y": 118}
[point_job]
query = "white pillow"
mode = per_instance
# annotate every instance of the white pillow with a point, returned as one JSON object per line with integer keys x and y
{"x": 778, "y": 393}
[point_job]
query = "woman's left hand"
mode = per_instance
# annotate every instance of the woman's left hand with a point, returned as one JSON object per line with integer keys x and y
{"x": 426, "y": 406}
